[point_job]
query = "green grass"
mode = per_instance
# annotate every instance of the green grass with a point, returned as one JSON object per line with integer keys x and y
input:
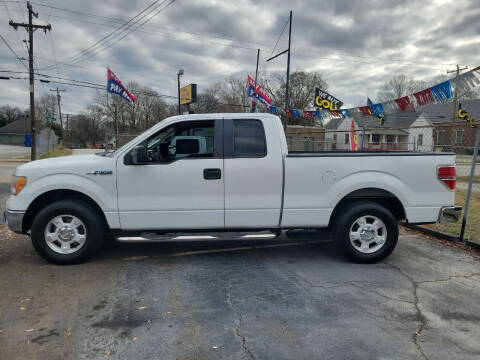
{"x": 58, "y": 151}
{"x": 472, "y": 231}
{"x": 476, "y": 179}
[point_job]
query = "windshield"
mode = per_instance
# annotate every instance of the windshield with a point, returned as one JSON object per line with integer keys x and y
{"x": 112, "y": 153}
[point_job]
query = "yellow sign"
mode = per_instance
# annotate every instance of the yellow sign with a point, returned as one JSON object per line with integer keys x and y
{"x": 326, "y": 104}
{"x": 462, "y": 114}
{"x": 188, "y": 94}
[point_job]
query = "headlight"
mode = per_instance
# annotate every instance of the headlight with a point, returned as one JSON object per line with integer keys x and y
{"x": 17, "y": 184}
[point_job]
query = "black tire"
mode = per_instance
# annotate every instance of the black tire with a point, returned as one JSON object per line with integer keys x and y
{"x": 346, "y": 219}
{"x": 93, "y": 222}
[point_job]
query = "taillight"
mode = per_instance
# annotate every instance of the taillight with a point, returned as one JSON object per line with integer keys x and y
{"x": 448, "y": 175}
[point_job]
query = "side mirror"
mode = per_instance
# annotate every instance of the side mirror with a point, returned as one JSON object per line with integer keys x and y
{"x": 137, "y": 156}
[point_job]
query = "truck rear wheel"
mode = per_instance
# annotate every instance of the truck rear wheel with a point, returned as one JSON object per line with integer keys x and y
{"x": 366, "y": 231}
{"x": 67, "y": 232}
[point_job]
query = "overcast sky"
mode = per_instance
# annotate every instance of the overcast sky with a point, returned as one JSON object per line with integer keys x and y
{"x": 356, "y": 44}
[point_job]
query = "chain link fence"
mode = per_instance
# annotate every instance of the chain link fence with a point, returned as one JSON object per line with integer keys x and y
{"x": 46, "y": 141}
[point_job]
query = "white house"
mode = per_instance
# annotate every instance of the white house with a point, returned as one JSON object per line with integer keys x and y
{"x": 406, "y": 130}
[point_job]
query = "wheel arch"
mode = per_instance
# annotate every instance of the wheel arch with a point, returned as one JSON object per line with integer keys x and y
{"x": 371, "y": 194}
{"x": 52, "y": 196}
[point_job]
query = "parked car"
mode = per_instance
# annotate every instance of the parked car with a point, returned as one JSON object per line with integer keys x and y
{"x": 227, "y": 176}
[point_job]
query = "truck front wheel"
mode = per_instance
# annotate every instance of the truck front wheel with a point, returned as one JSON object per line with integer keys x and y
{"x": 366, "y": 231}
{"x": 67, "y": 232}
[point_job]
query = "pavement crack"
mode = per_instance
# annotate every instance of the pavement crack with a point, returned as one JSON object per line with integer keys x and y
{"x": 378, "y": 293}
{"x": 450, "y": 277}
{"x": 417, "y": 335}
{"x": 239, "y": 316}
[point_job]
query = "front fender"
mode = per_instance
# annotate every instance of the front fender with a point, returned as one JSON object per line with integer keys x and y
{"x": 100, "y": 188}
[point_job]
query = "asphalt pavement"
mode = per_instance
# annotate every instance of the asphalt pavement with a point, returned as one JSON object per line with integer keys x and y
{"x": 275, "y": 299}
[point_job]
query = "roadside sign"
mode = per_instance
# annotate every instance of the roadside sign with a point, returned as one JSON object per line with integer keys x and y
{"x": 51, "y": 118}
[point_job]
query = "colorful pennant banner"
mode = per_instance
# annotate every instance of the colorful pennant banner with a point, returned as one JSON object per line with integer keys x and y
{"x": 435, "y": 94}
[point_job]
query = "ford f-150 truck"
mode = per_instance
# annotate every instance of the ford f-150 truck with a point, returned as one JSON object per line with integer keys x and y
{"x": 227, "y": 175}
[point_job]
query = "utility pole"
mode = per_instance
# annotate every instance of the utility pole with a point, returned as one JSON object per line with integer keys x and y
{"x": 67, "y": 135}
{"x": 288, "y": 67}
{"x": 60, "y": 110}
{"x": 254, "y": 101}
{"x": 455, "y": 95}
{"x": 30, "y": 27}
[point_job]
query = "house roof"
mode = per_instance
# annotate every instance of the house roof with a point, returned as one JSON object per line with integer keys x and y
{"x": 399, "y": 119}
{"x": 333, "y": 123}
{"x": 20, "y": 126}
{"x": 441, "y": 113}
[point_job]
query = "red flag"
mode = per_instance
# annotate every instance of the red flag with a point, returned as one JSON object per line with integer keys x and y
{"x": 308, "y": 114}
{"x": 365, "y": 110}
{"x": 404, "y": 103}
{"x": 424, "y": 97}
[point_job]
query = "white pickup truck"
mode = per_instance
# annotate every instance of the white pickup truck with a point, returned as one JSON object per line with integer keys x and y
{"x": 227, "y": 175}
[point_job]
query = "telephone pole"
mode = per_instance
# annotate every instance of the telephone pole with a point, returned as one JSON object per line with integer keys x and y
{"x": 30, "y": 27}
{"x": 60, "y": 110}
{"x": 455, "y": 95}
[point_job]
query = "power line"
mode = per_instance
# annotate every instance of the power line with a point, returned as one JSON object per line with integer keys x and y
{"x": 278, "y": 39}
{"x": 112, "y": 33}
{"x": 13, "y": 51}
{"x": 100, "y": 45}
{"x": 156, "y": 28}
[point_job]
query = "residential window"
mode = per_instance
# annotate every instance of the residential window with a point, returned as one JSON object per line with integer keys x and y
{"x": 440, "y": 137}
{"x": 458, "y": 136}
{"x": 249, "y": 138}
{"x": 347, "y": 138}
{"x": 334, "y": 137}
{"x": 308, "y": 143}
{"x": 376, "y": 139}
{"x": 390, "y": 139}
{"x": 420, "y": 140}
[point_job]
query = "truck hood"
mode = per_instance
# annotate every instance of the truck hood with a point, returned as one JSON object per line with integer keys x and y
{"x": 74, "y": 164}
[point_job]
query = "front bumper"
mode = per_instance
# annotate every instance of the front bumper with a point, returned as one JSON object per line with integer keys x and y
{"x": 14, "y": 220}
{"x": 449, "y": 214}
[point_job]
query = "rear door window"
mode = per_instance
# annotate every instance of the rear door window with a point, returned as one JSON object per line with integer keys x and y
{"x": 249, "y": 139}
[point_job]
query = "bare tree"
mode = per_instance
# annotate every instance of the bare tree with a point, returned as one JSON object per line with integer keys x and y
{"x": 399, "y": 86}
{"x": 88, "y": 128}
{"x": 45, "y": 106}
{"x": 301, "y": 88}
{"x": 207, "y": 101}
{"x": 9, "y": 114}
{"x": 232, "y": 94}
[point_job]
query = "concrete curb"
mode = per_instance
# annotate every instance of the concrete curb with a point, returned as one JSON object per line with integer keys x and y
{"x": 442, "y": 235}
{"x": 14, "y": 160}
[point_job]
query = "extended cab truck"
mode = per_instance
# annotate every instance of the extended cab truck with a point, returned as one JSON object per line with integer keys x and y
{"x": 226, "y": 173}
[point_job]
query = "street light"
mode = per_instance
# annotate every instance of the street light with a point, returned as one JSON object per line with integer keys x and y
{"x": 180, "y": 73}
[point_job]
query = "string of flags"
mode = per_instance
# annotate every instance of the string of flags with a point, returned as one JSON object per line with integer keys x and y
{"x": 330, "y": 105}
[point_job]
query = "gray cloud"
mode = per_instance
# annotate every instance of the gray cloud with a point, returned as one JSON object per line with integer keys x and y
{"x": 351, "y": 42}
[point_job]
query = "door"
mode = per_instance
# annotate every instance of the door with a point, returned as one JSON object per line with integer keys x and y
{"x": 181, "y": 185}
{"x": 253, "y": 174}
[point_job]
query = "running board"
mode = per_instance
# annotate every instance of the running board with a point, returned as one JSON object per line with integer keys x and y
{"x": 152, "y": 237}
